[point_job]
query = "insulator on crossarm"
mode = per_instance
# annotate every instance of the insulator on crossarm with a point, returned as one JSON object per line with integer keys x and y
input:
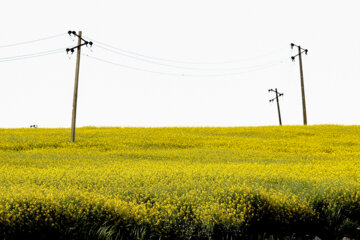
{"x": 71, "y": 35}
{"x": 69, "y": 55}
{"x": 89, "y": 47}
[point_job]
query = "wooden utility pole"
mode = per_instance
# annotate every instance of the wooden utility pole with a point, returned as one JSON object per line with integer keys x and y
{"x": 302, "y": 87}
{"x": 73, "y": 119}
{"x": 71, "y": 50}
{"x": 301, "y": 50}
{"x": 278, "y": 106}
{"x": 277, "y": 95}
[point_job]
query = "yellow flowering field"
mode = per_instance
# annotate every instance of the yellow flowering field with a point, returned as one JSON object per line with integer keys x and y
{"x": 180, "y": 183}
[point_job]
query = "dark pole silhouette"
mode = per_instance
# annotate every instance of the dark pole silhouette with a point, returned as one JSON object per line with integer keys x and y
{"x": 71, "y": 50}
{"x": 277, "y": 95}
{"x": 73, "y": 119}
{"x": 301, "y": 50}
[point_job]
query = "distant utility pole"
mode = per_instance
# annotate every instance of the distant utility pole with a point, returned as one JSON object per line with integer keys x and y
{"x": 277, "y": 94}
{"x": 71, "y": 50}
{"x": 301, "y": 50}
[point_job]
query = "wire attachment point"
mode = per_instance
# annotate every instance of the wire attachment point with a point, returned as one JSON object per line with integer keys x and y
{"x": 89, "y": 45}
{"x": 71, "y": 50}
{"x": 71, "y": 35}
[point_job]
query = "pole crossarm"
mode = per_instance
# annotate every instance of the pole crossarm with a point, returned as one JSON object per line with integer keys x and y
{"x": 79, "y": 45}
{"x": 277, "y": 94}
{"x": 76, "y": 47}
{"x": 302, "y": 50}
{"x": 74, "y": 33}
{"x": 292, "y": 45}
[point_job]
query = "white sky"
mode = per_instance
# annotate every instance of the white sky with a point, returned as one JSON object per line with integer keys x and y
{"x": 248, "y": 33}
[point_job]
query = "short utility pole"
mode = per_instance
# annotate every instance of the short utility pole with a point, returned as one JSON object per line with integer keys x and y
{"x": 277, "y": 95}
{"x": 71, "y": 50}
{"x": 301, "y": 50}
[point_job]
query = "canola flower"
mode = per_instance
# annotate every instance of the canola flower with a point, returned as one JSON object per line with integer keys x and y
{"x": 146, "y": 183}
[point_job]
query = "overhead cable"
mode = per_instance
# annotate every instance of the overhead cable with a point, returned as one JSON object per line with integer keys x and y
{"x": 32, "y": 41}
{"x": 32, "y": 55}
{"x": 176, "y": 66}
{"x": 182, "y": 74}
{"x": 180, "y": 62}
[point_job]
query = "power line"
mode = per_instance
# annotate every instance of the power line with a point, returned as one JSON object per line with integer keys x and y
{"x": 176, "y": 61}
{"x": 179, "y": 74}
{"x": 175, "y": 66}
{"x": 31, "y": 55}
{"x": 32, "y": 41}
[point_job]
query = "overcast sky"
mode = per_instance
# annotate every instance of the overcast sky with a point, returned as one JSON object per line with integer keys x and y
{"x": 179, "y": 63}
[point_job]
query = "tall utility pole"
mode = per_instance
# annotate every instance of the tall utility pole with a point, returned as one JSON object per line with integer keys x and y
{"x": 277, "y": 95}
{"x": 71, "y": 50}
{"x": 301, "y": 50}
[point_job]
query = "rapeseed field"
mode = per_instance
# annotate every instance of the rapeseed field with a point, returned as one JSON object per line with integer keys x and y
{"x": 180, "y": 183}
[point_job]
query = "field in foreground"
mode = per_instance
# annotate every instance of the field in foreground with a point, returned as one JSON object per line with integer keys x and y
{"x": 180, "y": 183}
